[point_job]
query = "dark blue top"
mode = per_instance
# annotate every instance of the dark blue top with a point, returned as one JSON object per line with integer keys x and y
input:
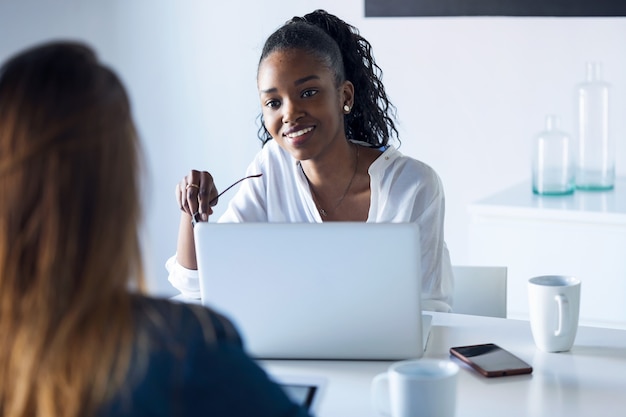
{"x": 189, "y": 361}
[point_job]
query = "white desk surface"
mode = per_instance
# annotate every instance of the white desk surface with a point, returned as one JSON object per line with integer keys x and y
{"x": 589, "y": 380}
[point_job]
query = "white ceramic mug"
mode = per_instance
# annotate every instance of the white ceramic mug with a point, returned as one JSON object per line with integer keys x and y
{"x": 554, "y": 305}
{"x": 417, "y": 388}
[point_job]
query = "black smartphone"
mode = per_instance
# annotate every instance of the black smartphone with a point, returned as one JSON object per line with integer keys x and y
{"x": 491, "y": 360}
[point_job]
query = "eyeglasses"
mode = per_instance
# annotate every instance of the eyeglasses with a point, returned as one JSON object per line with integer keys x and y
{"x": 195, "y": 217}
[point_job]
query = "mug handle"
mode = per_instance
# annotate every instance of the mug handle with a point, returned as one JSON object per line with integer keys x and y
{"x": 380, "y": 394}
{"x": 563, "y": 306}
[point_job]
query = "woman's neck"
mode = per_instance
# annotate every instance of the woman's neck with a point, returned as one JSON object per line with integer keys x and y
{"x": 332, "y": 168}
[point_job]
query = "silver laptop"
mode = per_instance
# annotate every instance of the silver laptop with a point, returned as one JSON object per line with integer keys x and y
{"x": 335, "y": 290}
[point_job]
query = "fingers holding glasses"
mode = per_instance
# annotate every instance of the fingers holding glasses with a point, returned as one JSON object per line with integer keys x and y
{"x": 207, "y": 193}
{"x": 194, "y": 192}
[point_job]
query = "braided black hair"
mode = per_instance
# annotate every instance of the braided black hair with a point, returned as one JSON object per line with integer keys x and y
{"x": 349, "y": 56}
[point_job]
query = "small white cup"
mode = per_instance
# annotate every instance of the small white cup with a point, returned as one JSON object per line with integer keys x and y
{"x": 554, "y": 305}
{"x": 416, "y": 388}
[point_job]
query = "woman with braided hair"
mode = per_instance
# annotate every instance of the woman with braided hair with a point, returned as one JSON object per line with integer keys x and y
{"x": 326, "y": 156}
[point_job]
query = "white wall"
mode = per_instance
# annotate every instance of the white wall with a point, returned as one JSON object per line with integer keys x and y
{"x": 470, "y": 92}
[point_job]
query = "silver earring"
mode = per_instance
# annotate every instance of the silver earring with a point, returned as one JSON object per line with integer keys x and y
{"x": 346, "y": 108}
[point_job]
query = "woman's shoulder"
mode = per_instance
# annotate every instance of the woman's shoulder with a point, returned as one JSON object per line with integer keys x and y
{"x": 394, "y": 161}
{"x": 163, "y": 318}
{"x": 188, "y": 352}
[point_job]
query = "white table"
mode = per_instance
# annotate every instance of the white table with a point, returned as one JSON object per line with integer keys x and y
{"x": 590, "y": 380}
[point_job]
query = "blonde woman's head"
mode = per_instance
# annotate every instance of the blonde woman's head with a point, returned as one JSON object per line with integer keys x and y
{"x": 69, "y": 210}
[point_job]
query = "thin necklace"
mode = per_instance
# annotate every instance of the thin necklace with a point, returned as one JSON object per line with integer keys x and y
{"x": 323, "y": 212}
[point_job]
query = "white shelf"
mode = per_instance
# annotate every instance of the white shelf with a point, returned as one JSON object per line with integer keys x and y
{"x": 583, "y": 234}
{"x": 582, "y": 206}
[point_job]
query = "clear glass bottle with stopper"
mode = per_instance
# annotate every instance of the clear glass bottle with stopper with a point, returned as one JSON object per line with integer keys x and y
{"x": 596, "y": 148}
{"x": 553, "y": 160}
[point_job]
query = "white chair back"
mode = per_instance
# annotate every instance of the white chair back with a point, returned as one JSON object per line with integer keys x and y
{"x": 479, "y": 290}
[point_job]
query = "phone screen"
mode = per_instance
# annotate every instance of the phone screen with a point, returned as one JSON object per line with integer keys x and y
{"x": 491, "y": 360}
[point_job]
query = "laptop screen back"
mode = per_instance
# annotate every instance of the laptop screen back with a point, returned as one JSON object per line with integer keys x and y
{"x": 336, "y": 290}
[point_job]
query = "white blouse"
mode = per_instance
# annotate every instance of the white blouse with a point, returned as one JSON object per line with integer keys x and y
{"x": 402, "y": 190}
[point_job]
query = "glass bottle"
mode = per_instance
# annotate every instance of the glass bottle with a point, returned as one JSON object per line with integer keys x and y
{"x": 553, "y": 160}
{"x": 596, "y": 149}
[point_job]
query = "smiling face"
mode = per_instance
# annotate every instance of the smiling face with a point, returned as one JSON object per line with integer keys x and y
{"x": 301, "y": 102}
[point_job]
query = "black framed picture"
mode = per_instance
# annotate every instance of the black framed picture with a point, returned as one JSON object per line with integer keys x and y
{"x": 440, "y": 8}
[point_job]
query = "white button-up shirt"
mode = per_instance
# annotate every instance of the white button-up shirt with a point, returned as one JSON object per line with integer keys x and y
{"x": 402, "y": 190}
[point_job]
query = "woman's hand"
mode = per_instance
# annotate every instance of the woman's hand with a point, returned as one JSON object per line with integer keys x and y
{"x": 194, "y": 192}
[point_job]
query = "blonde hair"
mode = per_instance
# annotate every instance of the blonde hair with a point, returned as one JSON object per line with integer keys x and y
{"x": 69, "y": 244}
